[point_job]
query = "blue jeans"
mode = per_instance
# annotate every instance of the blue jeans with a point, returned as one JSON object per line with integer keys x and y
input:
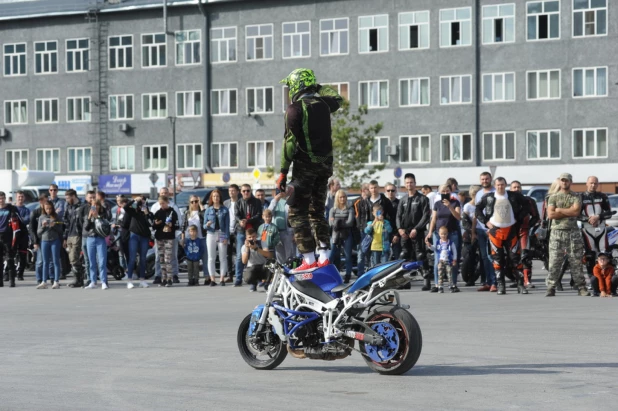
{"x": 361, "y": 257}
{"x": 396, "y": 250}
{"x": 205, "y": 259}
{"x": 137, "y": 244}
{"x": 97, "y": 256}
{"x": 50, "y": 251}
{"x": 38, "y": 268}
{"x": 86, "y": 260}
{"x": 378, "y": 257}
{"x": 483, "y": 241}
{"x": 240, "y": 241}
{"x": 455, "y": 270}
{"x": 335, "y": 255}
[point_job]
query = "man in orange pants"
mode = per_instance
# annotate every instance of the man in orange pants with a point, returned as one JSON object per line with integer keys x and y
{"x": 524, "y": 231}
{"x": 503, "y": 213}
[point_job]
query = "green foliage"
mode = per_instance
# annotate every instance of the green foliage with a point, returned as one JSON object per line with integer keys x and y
{"x": 352, "y": 144}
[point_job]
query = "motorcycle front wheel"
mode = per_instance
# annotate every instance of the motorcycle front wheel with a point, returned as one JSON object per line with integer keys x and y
{"x": 257, "y": 353}
{"x": 403, "y": 345}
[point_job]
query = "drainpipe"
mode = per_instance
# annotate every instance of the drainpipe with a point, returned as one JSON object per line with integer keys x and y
{"x": 165, "y": 16}
{"x": 477, "y": 82}
{"x": 207, "y": 90}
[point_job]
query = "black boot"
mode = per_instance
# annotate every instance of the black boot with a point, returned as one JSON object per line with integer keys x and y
{"x": 78, "y": 282}
{"x": 501, "y": 283}
{"x": 520, "y": 284}
{"x": 12, "y": 275}
{"x": 427, "y": 285}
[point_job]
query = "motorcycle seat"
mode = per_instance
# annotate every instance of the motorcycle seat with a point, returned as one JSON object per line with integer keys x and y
{"x": 312, "y": 290}
{"x": 385, "y": 272}
{"x": 341, "y": 287}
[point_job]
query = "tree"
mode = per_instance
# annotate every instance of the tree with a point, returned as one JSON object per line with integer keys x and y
{"x": 352, "y": 144}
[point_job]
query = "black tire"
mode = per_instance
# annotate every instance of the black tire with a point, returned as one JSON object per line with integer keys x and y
{"x": 279, "y": 352}
{"x": 410, "y": 338}
{"x": 150, "y": 266}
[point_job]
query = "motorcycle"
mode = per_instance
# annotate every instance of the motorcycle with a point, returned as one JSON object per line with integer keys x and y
{"x": 313, "y": 315}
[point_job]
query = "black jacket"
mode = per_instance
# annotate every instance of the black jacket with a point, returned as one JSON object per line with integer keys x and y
{"x": 161, "y": 216}
{"x": 33, "y": 227}
{"x": 253, "y": 207}
{"x": 72, "y": 220}
{"x": 413, "y": 213}
{"x": 533, "y": 210}
{"x": 82, "y": 213}
{"x": 390, "y": 213}
{"x": 139, "y": 221}
{"x": 487, "y": 203}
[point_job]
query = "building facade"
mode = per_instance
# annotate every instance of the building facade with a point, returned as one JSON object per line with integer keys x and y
{"x": 523, "y": 88}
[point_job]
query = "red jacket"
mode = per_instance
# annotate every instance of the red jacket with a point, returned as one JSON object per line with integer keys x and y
{"x": 605, "y": 277}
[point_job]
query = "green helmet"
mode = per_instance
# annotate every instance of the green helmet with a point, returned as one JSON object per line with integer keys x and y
{"x": 299, "y": 80}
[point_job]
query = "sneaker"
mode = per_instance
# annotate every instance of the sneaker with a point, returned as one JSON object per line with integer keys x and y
{"x": 157, "y": 280}
{"x": 440, "y": 290}
{"x": 502, "y": 290}
{"x": 323, "y": 263}
{"x": 493, "y": 289}
{"x": 42, "y": 286}
{"x": 551, "y": 292}
{"x": 91, "y": 286}
{"x": 305, "y": 268}
{"x": 214, "y": 284}
{"x": 143, "y": 284}
{"x": 252, "y": 288}
{"x": 484, "y": 288}
{"x": 434, "y": 290}
{"x": 584, "y": 292}
{"x": 206, "y": 282}
{"x": 130, "y": 285}
{"x": 104, "y": 286}
{"x": 55, "y": 286}
{"x": 222, "y": 283}
{"x": 454, "y": 289}
{"x": 176, "y": 280}
{"x": 169, "y": 283}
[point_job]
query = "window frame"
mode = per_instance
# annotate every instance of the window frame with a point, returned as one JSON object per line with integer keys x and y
{"x": 11, "y": 102}
{"x": 573, "y": 11}
{"x": 109, "y": 111}
{"x": 410, "y": 137}
{"x": 220, "y": 143}
{"x": 176, "y": 42}
{"x": 149, "y": 47}
{"x": 126, "y": 148}
{"x": 44, "y": 100}
{"x": 150, "y": 96}
{"x": 184, "y": 146}
{"x": 79, "y": 51}
{"x": 451, "y": 21}
{"x": 185, "y": 115}
{"x": 47, "y": 54}
{"x": 225, "y": 40}
{"x": 272, "y": 42}
{"x": 400, "y": 25}
{"x": 494, "y": 134}
{"x": 584, "y": 130}
{"x": 228, "y": 90}
{"x": 450, "y": 77}
{"x": 75, "y": 152}
{"x": 538, "y": 72}
{"x": 74, "y": 108}
{"x": 548, "y": 131}
{"x": 420, "y": 79}
{"x": 373, "y": 16}
{"x": 250, "y": 113}
{"x": 123, "y": 47}
{"x": 596, "y": 76}
{"x": 451, "y": 135}
{"x": 150, "y": 147}
{"x": 335, "y": 30}
{"x": 25, "y": 54}
{"x": 12, "y": 153}
{"x": 255, "y": 143}
{"x": 380, "y": 154}
{"x": 559, "y": 13}
{"x": 52, "y": 149}
{"x": 493, "y": 87}
{"x": 368, "y": 82}
{"x": 483, "y": 18}
{"x": 283, "y": 35}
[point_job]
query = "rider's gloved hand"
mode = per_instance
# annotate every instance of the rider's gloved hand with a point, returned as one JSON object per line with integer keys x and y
{"x": 281, "y": 181}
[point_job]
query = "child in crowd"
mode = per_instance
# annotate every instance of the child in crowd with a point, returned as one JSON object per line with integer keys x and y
{"x": 447, "y": 258}
{"x": 380, "y": 230}
{"x": 194, "y": 250}
{"x": 165, "y": 226}
{"x": 268, "y": 234}
{"x": 604, "y": 282}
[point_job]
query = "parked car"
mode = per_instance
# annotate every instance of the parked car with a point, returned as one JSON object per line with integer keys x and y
{"x": 613, "y": 202}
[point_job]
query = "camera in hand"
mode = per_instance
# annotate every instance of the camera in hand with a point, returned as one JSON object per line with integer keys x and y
{"x": 252, "y": 242}
{"x": 445, "y": 197}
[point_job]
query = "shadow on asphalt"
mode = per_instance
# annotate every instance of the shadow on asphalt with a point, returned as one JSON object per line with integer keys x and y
{"x": 450, "y": 370}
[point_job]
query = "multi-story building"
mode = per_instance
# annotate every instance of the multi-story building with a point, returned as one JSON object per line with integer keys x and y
{"x": 523, "y": 88}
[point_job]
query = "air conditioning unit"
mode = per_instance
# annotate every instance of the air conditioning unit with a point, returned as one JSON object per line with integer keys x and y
{"x": 4, "y": 133}
{"x": 392, "y": 150}
{"x": 124, "y": 127}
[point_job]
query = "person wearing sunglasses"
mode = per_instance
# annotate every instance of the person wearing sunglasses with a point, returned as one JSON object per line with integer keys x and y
{"x": 59, "y": 204}
{"x": 248, "y": 214}
{"x": 194, "y": 215}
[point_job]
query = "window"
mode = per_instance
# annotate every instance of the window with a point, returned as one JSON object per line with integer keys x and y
{"x": 456, "y": 147}
{"x": 414, "y": 149}
{"x": 224, "y": 102}
{"x": 455, "y": 90}
{"x": 296, "y": 39}
{"x": 154, "y": 106}
{"x": 122, "y": 158}
{"x": 260, "y": 154}
{"x": 46, "y": 110}
{"x": 544, "y": 144}
{"x": 188, "y": 47}
{"x": 498, "y": 87}
{"x": 78, "y": 55}
{"x": 414, "y": 92}
{"x": 260, "y": 100}
{"x": 259, "y": 42}
{"x": 16, "y": 112}
{"x": 499, "y": 146}
{"x": 189, "y": 157}
{"x": 189, "y": 104}
{"x": 121, "y": 52}
{"x": 80, "y": 159}
{"x": 589, "y": 18}
{"x": 223, "y": 45}
{"x": 414, "y": 30}
{"x": 155, "y": 158}
{"x": 590, "y": 82}
{"x": 590, "y": 143}
{"x": 78, "y": 109}
{"x": 16, "y": 159}
{"x": 374, "y": 94}
{"x": 154, "y": 50}
{"x": 225, "y": 155}
{"x": 46, "y": 57}
{"x": 543, "y": 20}
{"x": 373, "y": 33}
{"x": 334, "y": 37}
{"x": 499, "y": 24}
{"x": 342, "y": 89}
{"x": 378, "y": 151}
{"x": 544, "y": 84}
{"x": 121, "y": 107}
{"x": 15, "y": 59}
{"x": 456, "y": 27}
{"x": 48, "y": 159}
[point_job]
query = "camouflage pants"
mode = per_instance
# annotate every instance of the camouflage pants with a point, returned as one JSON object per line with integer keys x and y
{"x": 571, "y": 241}
{"x": 308, "y": 213}
{"x": 164, "y": 248}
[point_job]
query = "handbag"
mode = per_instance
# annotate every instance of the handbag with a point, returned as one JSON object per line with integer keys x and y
{"x": 366, "y": 243}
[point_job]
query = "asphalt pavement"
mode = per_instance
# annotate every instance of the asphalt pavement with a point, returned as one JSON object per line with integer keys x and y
{"x": 175, "y": 349}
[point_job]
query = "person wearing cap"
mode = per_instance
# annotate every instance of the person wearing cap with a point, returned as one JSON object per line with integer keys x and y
{"x": 563, "y": 208}
{"x": 604, "y": 282}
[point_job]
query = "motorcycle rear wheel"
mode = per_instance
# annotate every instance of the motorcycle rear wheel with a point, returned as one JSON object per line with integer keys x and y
{"x": 409, "y": 346}
{"x": 273, "y": 354}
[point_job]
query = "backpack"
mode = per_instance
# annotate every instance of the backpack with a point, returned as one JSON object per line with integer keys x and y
{"x": 366, "y": 243}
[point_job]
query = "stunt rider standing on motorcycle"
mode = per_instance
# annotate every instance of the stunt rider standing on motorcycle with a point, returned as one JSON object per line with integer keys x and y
{"x": 595, "y": 210}
{"x": 308, "y": 145}
{"x": 531, "y": 221}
